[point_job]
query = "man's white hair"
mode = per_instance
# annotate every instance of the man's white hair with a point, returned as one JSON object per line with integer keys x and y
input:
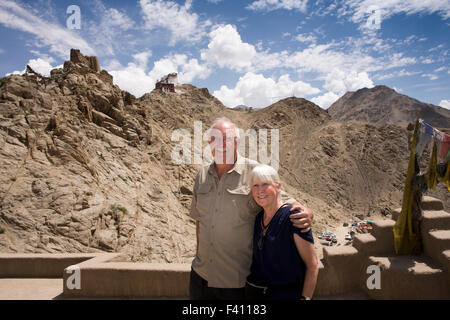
{"x": 223, "y": 119}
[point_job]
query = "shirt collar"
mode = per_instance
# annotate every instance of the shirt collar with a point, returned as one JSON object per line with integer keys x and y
{"x": 239, "y": 166}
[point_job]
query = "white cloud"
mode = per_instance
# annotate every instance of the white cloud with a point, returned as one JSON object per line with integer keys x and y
{"x": 112, "y": 64}
{"x": 396, "y": 74}
{"x": 142, "y": 58}
{"x": 226, "y": 49}
{"x": 340, "y": 81}
{"x": 254, "y": 90}
{"x": 187, "y": 70}
{"x": 118, "y": 19}
{"x": 270, "y": 5}
{"x": 324, "y": 57}
{"x": 183, "y": 24}
{"x": 2, "y": 51}
{"x": 440, "y": 69}
{"x": 445, "y": 104}
{"x": 306, "y": 38}
{"x": 42, "y": 66}
{"x": 192, "y": 69}
{"x": 436, "y": 48}
{"x": 398, "y": 60}
{"x": 163, "y": 67}
{"x": 266, "y": 61}
{"x": 430, "y": 76}
{"x": 106, "y": 29}
{"x": 58, "y": 38}
{"x": 134, "y": 78}
{"x": 358, "y": 9}
{"x": 39, "y": 65}
{"x": 427, "y": 61}
{"x": 326, "y": 100}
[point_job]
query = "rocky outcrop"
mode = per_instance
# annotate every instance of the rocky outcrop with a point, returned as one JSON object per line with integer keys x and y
{"x": 77, "y": 58}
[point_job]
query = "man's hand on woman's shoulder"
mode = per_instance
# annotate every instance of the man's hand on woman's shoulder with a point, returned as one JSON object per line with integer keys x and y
{"x": 302, "y": 219}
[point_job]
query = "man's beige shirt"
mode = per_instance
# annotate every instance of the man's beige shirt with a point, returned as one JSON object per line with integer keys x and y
{"x": 226, "y": 213}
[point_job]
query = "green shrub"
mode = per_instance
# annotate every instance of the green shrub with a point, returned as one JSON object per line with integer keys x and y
{"x": 3, "y": 81}
{"x": 124, "y": 180}
{"x": 115, "y": 208}
{"x": 81, "y": 86}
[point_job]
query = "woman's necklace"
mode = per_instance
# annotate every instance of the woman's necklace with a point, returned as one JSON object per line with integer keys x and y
{"x": 264, "y": 229}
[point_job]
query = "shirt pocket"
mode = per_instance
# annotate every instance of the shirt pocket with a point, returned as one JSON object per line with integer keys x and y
{"x": 241, "y": 200}
{"x": 204, "y": 198}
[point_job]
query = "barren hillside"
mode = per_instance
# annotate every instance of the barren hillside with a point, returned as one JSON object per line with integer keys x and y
{"x": 384, "y": 105}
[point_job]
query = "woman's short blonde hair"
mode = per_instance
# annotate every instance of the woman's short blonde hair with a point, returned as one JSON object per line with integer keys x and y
{"x": 264, "y": 173}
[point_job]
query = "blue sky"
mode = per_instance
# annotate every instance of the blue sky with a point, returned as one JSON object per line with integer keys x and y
{"x": 252, "y": 52}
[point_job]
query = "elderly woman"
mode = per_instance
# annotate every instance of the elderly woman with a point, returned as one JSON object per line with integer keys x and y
{"x": 284, "y": 262}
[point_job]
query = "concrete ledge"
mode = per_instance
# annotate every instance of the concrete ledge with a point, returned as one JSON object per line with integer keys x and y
{"x": 446, "y": 261}
{"x": 330, "y": 254}
{"x": 342, "y": 268}
{"x": 396, "y": 213}
{"x": 383, "y": 232}
{"x": 131, "y": 280}
{"x": 383, "y": 229}
{"x": 365, "y": 243}
{"x": 407, "y": 277}
{"x": 435, "y": 243}
{"x": 430, "y": 203}
{"x": 435, "y": 220}
{"x": 323, "y": 280}
{"x": 14, "y": 265}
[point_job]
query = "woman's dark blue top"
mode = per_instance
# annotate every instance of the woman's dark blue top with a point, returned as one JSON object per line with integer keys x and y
{"x": 278, "y": 261}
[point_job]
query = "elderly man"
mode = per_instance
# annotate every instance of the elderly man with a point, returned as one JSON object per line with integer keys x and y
{"x": 225, "y": 211}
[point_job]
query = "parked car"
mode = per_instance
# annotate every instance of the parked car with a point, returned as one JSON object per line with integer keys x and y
{"x": 334, "y": 240}
{"x": 348, "y": 237}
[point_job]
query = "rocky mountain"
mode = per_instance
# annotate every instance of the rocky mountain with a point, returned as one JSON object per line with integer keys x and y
{"x": 242, "y": 107}
{"x": 88, "y": 167}
{"x": 384, "y": 105}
